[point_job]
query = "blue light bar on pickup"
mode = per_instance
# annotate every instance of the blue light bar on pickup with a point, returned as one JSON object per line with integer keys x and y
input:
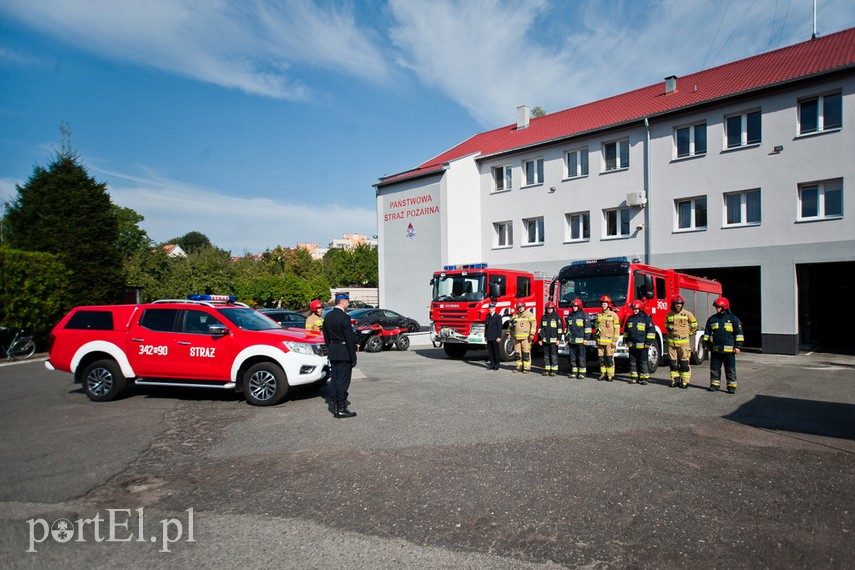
{"x": 468, "y": 266}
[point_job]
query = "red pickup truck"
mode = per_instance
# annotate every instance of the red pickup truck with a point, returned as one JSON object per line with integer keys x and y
{"x": 206, "y": 341}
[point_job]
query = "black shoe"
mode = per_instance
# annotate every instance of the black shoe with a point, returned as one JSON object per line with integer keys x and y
{"x": 643, "y": 382}
{"x": 684, "y": 385}
{"x": 713, "y": 389}
{"x": 341, "y": 411}
{"x": 731, "y": 390}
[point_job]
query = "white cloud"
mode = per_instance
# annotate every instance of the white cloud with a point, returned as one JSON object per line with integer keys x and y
{"x": 493, "y": 55}
{"x": 172, "y": 209}
{"x": 253, "y": 47}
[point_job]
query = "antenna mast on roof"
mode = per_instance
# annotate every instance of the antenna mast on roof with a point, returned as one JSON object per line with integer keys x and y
{"x": 813, "y": 35}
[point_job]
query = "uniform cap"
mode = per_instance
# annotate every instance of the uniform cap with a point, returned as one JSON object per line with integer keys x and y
{"x": 342, "y": 295}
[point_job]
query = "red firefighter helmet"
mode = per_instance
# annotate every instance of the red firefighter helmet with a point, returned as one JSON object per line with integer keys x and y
{"x": 721, "y": 302}
{"x": 606, "y": 299}
{"x": 678, "y": 299}
{"x": 315, "y": 305}
{"x": 577, "y": 302}
{"x": 637, "y": 304}
{"x": 550, "y": 305}
{"x": 520, "y": 303}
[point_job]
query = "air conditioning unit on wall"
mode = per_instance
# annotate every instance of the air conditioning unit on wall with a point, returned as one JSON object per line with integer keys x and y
{"x": 636, "y": 199}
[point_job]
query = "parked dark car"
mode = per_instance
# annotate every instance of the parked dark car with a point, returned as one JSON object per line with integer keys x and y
{"x": 286, "y": 318}
{"x": 383, "y": 317}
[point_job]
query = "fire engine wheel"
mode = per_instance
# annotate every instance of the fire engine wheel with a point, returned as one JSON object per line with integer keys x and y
{"x": 403, "y": 342}
{"x": 701, "y": 355}
{"x": 506, "y": 349}
{"x": 103, "y": 381}
{"x": 374, "y": 344}
{"x": 453, "y": 350}
{"x": 264, "y": 384}
{"x": 653, "y": 356}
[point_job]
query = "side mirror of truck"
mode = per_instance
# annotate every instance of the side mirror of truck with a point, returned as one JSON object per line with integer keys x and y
{"x": 649, "y": 290}
{"x": 218, "y": 330}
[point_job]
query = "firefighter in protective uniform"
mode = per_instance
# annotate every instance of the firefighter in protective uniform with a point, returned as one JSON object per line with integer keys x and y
{"x": 607, "y": 332}
{"x": 640, "y": 334}
{"x": 578, "y": 328}
{"x": 522, "y": 328}
{"x": 315, "y": 322}
{"x": 681, "y": 326}
{"x": 723, "y": 337}
{"x": 551, "y": 331}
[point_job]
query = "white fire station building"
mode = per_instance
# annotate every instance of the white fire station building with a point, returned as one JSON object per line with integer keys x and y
{"x": 741, "y": 173}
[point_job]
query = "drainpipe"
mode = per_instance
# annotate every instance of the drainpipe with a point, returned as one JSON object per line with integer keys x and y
{"x": 647, "y": 191}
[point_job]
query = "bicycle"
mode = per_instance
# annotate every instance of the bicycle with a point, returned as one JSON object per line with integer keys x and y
{"x": 21, "y": 347}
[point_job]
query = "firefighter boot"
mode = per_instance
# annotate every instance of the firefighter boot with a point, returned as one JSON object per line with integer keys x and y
{"x": 714, "y": 386}
{"x": 731, "y": 388}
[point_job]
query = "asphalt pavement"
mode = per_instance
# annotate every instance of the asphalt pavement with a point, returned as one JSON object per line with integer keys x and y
{"x": 447, "y": 465}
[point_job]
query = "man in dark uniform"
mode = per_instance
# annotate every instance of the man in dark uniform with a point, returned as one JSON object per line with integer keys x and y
{"x": 493, "y": 336}
{"x": 341, "y": 347}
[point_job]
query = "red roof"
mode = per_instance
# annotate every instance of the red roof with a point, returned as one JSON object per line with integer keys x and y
{"x": 800, "y": 61}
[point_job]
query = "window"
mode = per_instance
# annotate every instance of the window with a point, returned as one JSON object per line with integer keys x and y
{"x": 91, "y": 320}
{"x": 742, "y": 208}
{"x": 533, "y": 171}
{"x": 504, "y": 234}
{"x": 501, "y": 178}
{"x": 523, "y": 286}
{"x": 578, "y": 226}
{"x": 159, "y": 319}
{"x": 197, "y": 322}
{"x": 820, "y": 114}
{"x": 742, "y": 130}
{"x": 617, "y": 222}
{"x": 691, "y": 141}
{"x": 691, "y": 213}
{"x": 821, "y": 200}
{"x": 577, "y": 163}
{"x": 616, "y": 155}
{"x": 533, "y": 230}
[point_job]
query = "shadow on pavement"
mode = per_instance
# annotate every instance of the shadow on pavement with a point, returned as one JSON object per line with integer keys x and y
{"x": 830, "y": 419}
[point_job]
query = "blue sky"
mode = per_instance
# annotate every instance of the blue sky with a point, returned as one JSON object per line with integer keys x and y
{"x": 264, "y": 123}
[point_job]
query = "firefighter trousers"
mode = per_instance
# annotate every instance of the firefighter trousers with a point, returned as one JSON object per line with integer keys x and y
{"x": 522, "y": 352}
{"x": 717, "y": 359}
{"x": 638, "y": 365}
{"x": 578, "y": 358}
{"x": 678, "y": 360}
{"x": 550, "y": 357}
{"x": 606, "y": 354}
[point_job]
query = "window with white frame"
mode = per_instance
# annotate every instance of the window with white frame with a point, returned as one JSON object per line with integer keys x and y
{"x": 691, "y": 213}
{"x": 817, "y": 114}
{"x": 616, "y": 155}
{"x": 691, "y": 140}
{"x": 501, "y": 178}
{"x": 503, "y": 234}
{"x": 742, "y": 130}
{"x": 821, "y": 200}
{"x": 616, "y": 222}
{"x": 533, "y": 170}
{"x": 742, "y": 208}
{"x": 533, "y": 230}
{"x": 578, "y": 226}
{"x": 577, "y": 162}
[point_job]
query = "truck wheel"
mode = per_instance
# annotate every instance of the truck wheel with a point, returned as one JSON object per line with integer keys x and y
{"x": 103, "y": 381}
{"x": 506, "y": 349}
{"x": 701, "y": 354}
{"x": 403, "y": 342}
{"x": 653, "y": 356}
{"x": 374, "y": 344}
{"x": 264, "y": 384}
{"x": 455, "y": 350}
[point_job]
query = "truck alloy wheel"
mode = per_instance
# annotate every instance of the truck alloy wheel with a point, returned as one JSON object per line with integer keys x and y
{"x": 103, "y": 381}
{"x": 264, "y": 384}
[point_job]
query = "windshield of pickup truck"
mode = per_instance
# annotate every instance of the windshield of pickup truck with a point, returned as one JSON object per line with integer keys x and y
{"x": 249, "y": 319}
{"x": 590, "y": 288}
{"x": 459, "y": 287}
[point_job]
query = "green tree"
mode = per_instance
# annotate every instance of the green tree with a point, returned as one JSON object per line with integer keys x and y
{"x": 132, "y": 238}
{"x": 537, "y": 111}
{"x": 64, "y": 211}
{"x": 192, "y": 242}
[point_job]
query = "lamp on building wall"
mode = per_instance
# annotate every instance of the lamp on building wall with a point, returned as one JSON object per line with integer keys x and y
{"x": 778, "y": 148}
{"x": 551, "y": 189}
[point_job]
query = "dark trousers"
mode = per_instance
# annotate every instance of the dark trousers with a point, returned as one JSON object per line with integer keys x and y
{"x": 493, "y": 353}
{"x": 729, "y": 361}
{"x": 638, "y": 368}
{"x": 578, "y": 357}
{"x": 340, "y": 373}
{"x": 550, "y": 356}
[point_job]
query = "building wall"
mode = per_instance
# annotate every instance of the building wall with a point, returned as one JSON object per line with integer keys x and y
{"x": 776, "y": 245}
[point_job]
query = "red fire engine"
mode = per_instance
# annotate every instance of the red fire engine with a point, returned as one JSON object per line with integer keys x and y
{"x": 625, "y": 282}
{"x": 461, "y": 297}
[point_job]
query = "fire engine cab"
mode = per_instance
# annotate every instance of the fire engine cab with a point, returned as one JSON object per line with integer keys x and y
{"x": 626, "y": 281}
{"x": 461, "y": 298}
